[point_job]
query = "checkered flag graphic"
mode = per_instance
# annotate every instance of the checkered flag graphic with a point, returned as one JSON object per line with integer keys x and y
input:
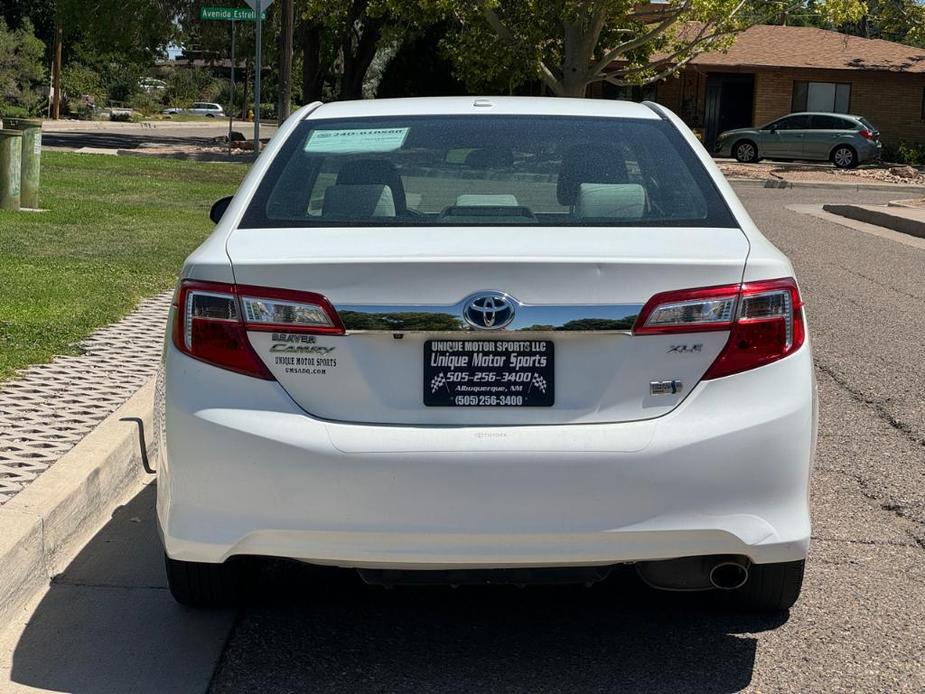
{"x": 437, "y": 382}
{"x": 538, "y": 382}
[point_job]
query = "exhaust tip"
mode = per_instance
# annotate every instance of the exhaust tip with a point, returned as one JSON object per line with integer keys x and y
{"x": 728, "y": 575}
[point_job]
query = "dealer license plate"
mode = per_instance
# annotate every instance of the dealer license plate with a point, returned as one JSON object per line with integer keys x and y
{"x": 489, "y": 373}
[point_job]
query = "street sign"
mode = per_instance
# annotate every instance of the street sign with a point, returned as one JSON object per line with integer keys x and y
{"x": 264, "y": 4}
{"x": 231, "y": 14}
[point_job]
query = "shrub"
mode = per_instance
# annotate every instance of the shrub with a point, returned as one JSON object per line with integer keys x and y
{"x": 145, "y": 103}
{"x": 9, "y": 111}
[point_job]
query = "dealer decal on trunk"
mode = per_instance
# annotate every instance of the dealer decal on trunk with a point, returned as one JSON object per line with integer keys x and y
{"x": 295, "y": 346}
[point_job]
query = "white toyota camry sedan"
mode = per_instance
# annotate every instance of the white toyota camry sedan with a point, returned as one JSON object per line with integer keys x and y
{"x": 487, "y": 340}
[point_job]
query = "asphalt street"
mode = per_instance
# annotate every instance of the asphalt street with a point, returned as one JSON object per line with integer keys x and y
{"x": 120, "y": 136}
{"x": 108, "y": 625}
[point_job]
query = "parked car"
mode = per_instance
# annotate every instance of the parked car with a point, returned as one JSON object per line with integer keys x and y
{"x": 209, "y": 110}
{"x": 199, "y": 108}
{"x": 487, "y": 340}
{"x": 844, "y": 140}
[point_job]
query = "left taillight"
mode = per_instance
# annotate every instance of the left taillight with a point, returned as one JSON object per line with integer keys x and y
{"x": 213, "y": 319}
{"x": 764, "y": 320}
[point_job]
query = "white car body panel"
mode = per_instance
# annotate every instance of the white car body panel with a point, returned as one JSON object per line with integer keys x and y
{"x": 348, "y": 476}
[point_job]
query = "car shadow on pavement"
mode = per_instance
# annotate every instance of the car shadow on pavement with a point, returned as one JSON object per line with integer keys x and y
{"x": 108, "y": 624}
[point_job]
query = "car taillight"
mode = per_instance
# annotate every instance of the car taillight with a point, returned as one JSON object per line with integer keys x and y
{"x": 764, "y": 320}
{"x": 212, "y": 321}
{"x": 867, "y": 134}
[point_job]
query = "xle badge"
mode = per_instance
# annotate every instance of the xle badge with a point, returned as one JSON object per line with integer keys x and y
{"x": 685, "y": 349}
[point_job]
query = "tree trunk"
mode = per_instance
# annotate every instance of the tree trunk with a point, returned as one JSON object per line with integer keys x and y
{"x": 56, "y": 74}
{"x": 313, "y": 73}
{"x": 578, "y": 51}
{"x": 284, "y": 101}
{"x": 358, "y": 48}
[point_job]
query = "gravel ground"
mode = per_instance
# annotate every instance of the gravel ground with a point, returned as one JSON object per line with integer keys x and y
{"x": 859, "y": 626}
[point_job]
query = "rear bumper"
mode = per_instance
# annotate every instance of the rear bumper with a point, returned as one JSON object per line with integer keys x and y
{"x": 869, "y": 151}
{"x": 244, "y": 471}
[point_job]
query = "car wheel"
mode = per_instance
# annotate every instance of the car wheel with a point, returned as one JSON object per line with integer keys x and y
{"x": 844, "y": 157}
{"x": 746, "y": 152}
{"x": 196, "y": 584}
{"x": 210, "y": 115}
{"x": 769, "y": 588}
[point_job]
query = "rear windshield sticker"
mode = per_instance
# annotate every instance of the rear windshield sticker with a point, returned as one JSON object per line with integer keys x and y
{"x": 353, "y": 141}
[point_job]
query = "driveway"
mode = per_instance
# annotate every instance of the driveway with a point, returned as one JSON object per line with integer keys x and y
{"x": 108, "y": 624}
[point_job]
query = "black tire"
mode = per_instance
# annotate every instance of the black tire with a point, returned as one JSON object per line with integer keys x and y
{"x": 770, "y": 587}
{"x": 844, "y": 157}
{"x": 196, "y": 584}
{"x": 745, "y": 151}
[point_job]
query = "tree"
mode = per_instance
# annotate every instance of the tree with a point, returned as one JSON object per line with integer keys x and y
{"x": 21, "y": 70}
{"x": 340, "y": 39}
{"x": 570, "y": 44}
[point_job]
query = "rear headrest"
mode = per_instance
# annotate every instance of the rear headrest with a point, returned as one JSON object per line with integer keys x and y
{"x": 611, "y": 201}
{"x": 358, "y": 201}
{"x": 597, "y": 163}
{"x": 365, "y": 172}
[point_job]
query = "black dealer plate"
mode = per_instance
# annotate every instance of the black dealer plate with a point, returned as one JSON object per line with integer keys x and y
{"x": 489, "y": 373}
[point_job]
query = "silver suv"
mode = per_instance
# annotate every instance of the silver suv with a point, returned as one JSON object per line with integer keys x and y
{"x": 844, "y": 140}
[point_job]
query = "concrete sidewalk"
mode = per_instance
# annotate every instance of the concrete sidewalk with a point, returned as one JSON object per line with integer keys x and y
{"x": 107, "y": 624}
{"x": 906, "y": 220}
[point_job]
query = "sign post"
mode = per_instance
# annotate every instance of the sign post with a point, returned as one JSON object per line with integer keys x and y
{"x": 256, "y": 13}
{"x": 258, "y": 6}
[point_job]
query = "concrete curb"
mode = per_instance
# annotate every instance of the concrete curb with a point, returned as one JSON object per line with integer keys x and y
{"x": 213, "y": 157}
{"x": 880, "y": 218}
{"x": 44, "y": 526}
{"x": 856, "y": 187}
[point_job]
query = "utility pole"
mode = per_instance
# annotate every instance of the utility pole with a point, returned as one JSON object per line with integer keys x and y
{"x": 56, "y": 73}
{"x": 257, "y": 71}
{"x": 285, "y": 61}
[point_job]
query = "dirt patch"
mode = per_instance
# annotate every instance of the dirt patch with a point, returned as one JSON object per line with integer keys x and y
{"x": 823, "y": 173}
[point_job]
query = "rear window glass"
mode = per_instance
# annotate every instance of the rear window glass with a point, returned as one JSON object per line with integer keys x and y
{"x": 486, "y": 170}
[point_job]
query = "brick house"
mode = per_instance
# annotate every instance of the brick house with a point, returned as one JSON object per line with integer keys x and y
{"x": 774, "y": 70}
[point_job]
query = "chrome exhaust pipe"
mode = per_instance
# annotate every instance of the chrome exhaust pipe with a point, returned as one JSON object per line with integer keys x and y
{"x": 728, "y": 575}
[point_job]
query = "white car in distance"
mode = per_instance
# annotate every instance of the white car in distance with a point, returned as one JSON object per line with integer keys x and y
{"x": 487, "y": 340}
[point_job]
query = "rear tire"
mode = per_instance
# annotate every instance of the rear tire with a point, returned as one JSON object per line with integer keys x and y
{"x": 844, "y": 157}
{"x": 745, "y": 151}
{"x": 196, "y": 584}
{"x": 770, "y": 587}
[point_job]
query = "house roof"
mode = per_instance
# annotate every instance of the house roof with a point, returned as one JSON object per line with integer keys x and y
{"x": 809, "y": 47}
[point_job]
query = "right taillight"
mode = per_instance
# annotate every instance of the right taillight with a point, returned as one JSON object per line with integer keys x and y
{"x": 213, "y": 319}
{"x": 764, "y": 320}
{"x": 867, "y": 134}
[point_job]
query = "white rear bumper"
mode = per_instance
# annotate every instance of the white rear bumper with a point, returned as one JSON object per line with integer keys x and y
{"x": 244, "y": 471}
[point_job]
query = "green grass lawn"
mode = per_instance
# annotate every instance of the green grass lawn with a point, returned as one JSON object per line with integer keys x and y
{"x": 117, "y": 230}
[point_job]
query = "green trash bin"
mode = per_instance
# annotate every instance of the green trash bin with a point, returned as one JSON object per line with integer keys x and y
{"x": 10, "y": 168}
{"x": 31, "y": 158}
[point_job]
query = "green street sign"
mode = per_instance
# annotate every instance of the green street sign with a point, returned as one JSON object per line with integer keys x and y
{"x": 229, "y": 14}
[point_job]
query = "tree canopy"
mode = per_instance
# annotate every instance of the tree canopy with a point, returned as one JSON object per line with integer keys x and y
{"x": 569, "y": 44}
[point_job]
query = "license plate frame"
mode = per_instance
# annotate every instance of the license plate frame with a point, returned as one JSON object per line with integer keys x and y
{"x": 489, "y": 372}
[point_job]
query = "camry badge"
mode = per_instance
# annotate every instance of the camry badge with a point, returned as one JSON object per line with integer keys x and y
{"x": 489, "y": 311}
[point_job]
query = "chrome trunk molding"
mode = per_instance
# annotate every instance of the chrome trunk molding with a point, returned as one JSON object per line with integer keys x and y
{"x": 438, "y": 318}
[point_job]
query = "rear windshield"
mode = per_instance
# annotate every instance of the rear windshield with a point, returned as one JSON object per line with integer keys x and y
{"x": 486, "y": 170}
{"x": 867, "y": 124}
